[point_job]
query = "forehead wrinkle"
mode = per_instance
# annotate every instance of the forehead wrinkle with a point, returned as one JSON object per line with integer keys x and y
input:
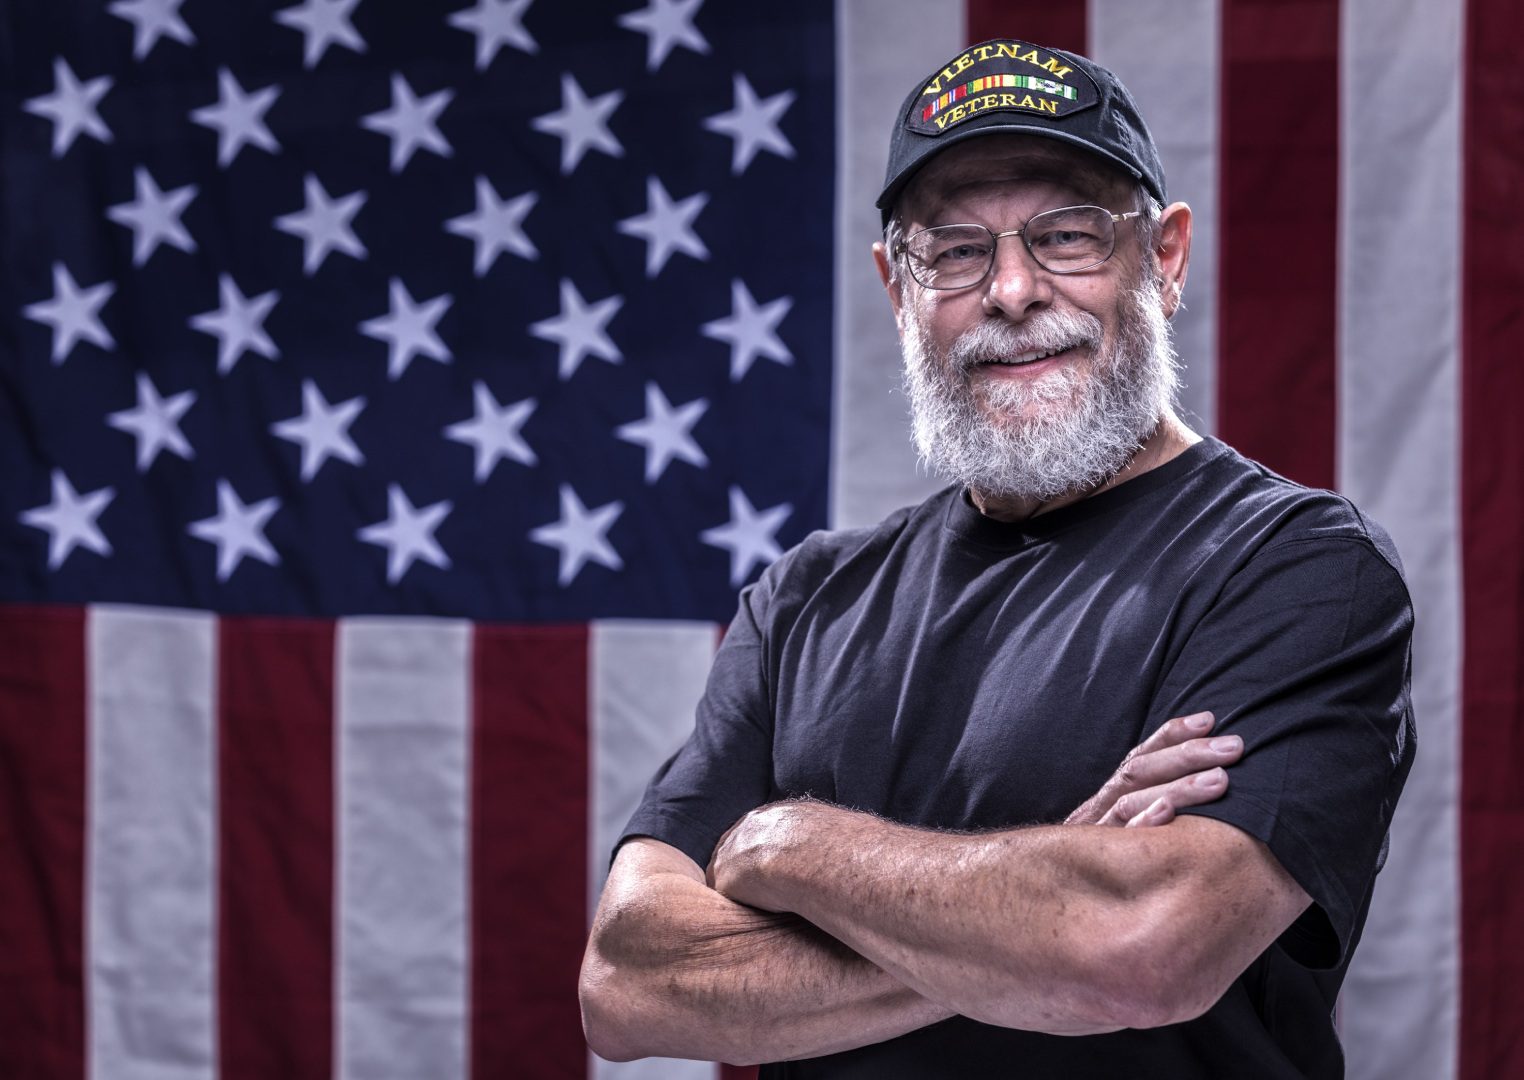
{"x": 1038, "y": 161}
{"x": 936, "y": 202}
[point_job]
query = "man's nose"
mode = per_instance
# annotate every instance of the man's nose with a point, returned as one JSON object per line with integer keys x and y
{"x": 1016, "y": 284}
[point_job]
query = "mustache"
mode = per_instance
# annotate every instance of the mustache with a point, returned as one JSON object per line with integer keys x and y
{"x": 1047, "y": 331}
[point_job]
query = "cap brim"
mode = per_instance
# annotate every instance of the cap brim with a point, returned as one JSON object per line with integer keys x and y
{"x": 1004, "y": 124}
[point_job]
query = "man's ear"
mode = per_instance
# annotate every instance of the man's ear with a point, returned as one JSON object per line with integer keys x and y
{"x": 1174, "y": 253}
{"x": 891, "y": 285}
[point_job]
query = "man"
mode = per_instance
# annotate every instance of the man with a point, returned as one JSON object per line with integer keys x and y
{"x": 895, "y": 712}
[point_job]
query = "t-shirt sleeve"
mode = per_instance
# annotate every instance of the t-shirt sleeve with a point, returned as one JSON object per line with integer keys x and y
{"x": 724, "y": 768}
{"x": 1305, "y": 654}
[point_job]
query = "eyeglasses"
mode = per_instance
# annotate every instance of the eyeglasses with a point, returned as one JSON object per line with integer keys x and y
{"x": 1062, "y": 241}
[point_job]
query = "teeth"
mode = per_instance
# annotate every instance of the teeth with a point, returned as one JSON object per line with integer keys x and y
{"x": 1028, "y": 357}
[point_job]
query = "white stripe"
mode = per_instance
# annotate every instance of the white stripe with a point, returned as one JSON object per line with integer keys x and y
{"x": 152, "y": 880}
{"x": 1168, "y": 53}
{"x": 647, "y": 678}
{"x": 1399, "y": 263}
{"x": 402, "y": 791}
{"x": 881, "y": 46}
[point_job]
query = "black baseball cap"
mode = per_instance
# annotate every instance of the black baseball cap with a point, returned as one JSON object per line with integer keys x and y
{"x": 1010, "y": 86}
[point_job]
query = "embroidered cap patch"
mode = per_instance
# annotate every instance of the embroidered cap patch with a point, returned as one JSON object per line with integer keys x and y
{"x": 1001, "y": 76}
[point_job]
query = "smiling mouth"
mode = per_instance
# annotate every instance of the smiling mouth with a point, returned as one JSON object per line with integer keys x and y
{"x": 1027, "y": 357}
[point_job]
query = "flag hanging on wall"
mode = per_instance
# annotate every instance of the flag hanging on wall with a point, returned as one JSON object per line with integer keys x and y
{"x": 394, "y": 397}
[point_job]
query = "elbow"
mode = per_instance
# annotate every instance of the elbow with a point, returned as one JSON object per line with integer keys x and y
{"x": 622, "y": 1020}
{"x": 618, "y": 1026}
{"x": 610, "y": 1025}
{"x": 1114, "y": 982}
{"x": 1160, "y": 1008}
{"x": 602, "y": 1027}
{"x": 1146, "y": 1006}
{"x": 1077, "y": 994}
{"x": 607, "y": 1043}
{"x": 610, "y": 990}
{"x": 627, "y": 1013}
{"x": 1152, "y": 984}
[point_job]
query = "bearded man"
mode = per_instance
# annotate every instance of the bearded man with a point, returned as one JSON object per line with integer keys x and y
{"x": 865, "y": 861}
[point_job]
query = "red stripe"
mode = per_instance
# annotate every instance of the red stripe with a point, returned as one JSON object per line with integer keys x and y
{"x": 1277, "y": 317}
{"x": 529, "y": 835}
{"x": 1057, "y": 23}
{"x": 275, "y": 763}
{"x": 1492, "y": 548}
{"x": 42, "y": 842}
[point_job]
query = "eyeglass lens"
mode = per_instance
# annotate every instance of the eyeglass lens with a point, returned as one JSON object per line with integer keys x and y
{"x": 1063, "y": 241}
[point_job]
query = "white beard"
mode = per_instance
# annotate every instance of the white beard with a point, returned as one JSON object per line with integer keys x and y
{"x": 1063, "y": 433}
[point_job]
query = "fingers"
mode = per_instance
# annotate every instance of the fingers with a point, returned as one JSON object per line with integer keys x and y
{"x": 1180, "y": 762}
{"x": 714, "y": 856}
{"x": 1163, "y": 766}
{"x": 1158, "y": 805}
{"x": 1176, "y": 731}
{"x": 1152, "y": 768}
{"x": 1159, "y": 812}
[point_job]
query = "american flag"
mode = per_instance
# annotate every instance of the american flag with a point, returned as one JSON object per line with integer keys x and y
{"x": 394, "y": 396}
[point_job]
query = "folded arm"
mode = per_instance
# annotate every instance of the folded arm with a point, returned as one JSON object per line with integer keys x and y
{"x": 674, "y": 968}
{"x": 1066, "y": 929}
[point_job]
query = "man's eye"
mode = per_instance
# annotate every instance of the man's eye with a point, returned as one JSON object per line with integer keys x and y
{"x": 1061, "y": 238}
{"x": 959, "y": 253}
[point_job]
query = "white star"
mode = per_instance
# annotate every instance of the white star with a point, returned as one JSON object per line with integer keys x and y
{"x": 666, "y": 226}
{"x": 751, "y": 330}
{"x": 408, "y": 329}
{"x": 407, "y": 534}
{"x": 411, "y": 122}
{"x": 581, "y": 123}
{"x": 665, "y": 432}
{"x": 238, "y": 118}
{"x": 579, "y": 535}
{"x": 71, "y": 107}
{"x": 154, "y": 216}
{"x": 69, "y": 520}
{"x": 238, "y": 324}
{"x": 237, "y": 529}
{"x": 323, "y": 224}
{"x": 753, "y": 124}
{"x": 748, "y": 534}
{"x": 666, "y": 24}
{"x": 580, "y": 329}
{"x": 155, "y": 422}
{"x": 73, "y": 313}
{"x": 322, "y": 430}
{"x": 495, "y": 23}
{"x": 496, "y": 226}
{"x": 151, "y": 20}
{"x": 494, "y": 431}
{"x": 322, "y": 23}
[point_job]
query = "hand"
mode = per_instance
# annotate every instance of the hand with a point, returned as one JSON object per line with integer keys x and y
{"x": 737, "y": 867}
{"x": 1175, "y": 767}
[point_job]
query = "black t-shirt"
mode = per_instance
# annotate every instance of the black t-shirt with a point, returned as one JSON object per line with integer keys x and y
{"x": 947, "y": 670}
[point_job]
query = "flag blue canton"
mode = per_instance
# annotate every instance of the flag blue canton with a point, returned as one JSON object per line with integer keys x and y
{"x": 509, "y": 311}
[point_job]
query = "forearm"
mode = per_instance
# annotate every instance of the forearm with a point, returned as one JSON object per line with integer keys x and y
{"x": 1067, "y": 929}
{"x": 941, "y": 913}
{"x": 693, "y": 974}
